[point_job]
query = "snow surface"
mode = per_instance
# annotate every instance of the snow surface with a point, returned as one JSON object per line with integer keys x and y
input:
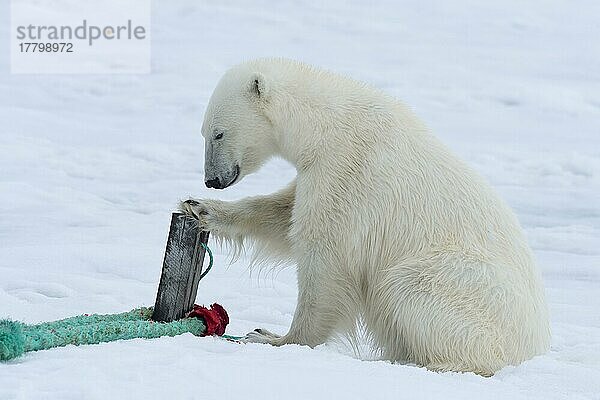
{"x": 91, "y": 167}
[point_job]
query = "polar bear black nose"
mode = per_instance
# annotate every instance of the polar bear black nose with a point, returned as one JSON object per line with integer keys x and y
{"x": 213, "y": 183}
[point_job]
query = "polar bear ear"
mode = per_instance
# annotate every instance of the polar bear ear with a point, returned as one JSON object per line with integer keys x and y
{"x": 258, "y": 86}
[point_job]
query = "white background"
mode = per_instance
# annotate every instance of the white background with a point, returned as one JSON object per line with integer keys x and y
{"x": 92, "y": 165}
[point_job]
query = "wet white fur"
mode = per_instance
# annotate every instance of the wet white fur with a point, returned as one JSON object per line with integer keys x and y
{"x": 383, "y": 222}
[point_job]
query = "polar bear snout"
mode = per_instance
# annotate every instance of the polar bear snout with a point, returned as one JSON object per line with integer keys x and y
{"x": 222, "y": 182}
{"x": 213, "y": 183}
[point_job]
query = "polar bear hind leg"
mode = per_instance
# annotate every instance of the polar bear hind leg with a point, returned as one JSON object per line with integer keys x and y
{"x": 448, "y": 317}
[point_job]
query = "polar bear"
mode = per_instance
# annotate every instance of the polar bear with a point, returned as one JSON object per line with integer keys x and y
{"x": 385, "y": 225}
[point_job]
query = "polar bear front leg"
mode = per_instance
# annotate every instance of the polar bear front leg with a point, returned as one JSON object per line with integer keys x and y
{"x": 319, "y": 310}
{"x": 265, "y": 219}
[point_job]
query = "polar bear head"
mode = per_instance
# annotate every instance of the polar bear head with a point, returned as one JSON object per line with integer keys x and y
{"x": 238, "y": 136}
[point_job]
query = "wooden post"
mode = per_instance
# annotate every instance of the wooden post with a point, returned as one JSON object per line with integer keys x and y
{"x": 182, "y": 267}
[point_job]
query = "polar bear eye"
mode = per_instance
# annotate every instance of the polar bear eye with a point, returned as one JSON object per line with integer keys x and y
{"x": 219, "y": 136}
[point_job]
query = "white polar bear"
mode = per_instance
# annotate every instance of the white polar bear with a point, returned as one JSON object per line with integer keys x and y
{"x": 385, "y": 225}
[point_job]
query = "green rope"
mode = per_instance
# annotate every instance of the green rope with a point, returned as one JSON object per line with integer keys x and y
{"x": 210, "y": 262}
{"x": 231, "y": 337}
{"x": 17, "y": 338}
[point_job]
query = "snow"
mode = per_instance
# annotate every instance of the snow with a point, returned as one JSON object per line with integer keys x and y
{"x": 92, "y": 165}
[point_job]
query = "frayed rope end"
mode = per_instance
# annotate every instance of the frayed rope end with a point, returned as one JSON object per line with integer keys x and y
{"x": 215, "y": 318}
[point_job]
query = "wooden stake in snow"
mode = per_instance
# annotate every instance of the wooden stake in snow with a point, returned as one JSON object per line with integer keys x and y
{"x": 182, "y": 269}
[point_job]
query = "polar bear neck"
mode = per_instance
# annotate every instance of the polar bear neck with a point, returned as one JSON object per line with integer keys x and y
{"x": 318, "y": 114}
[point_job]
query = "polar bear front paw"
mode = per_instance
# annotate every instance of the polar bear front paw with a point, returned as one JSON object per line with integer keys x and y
{"x": 262, "y": 336}
{"x": 208, "y": 213}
